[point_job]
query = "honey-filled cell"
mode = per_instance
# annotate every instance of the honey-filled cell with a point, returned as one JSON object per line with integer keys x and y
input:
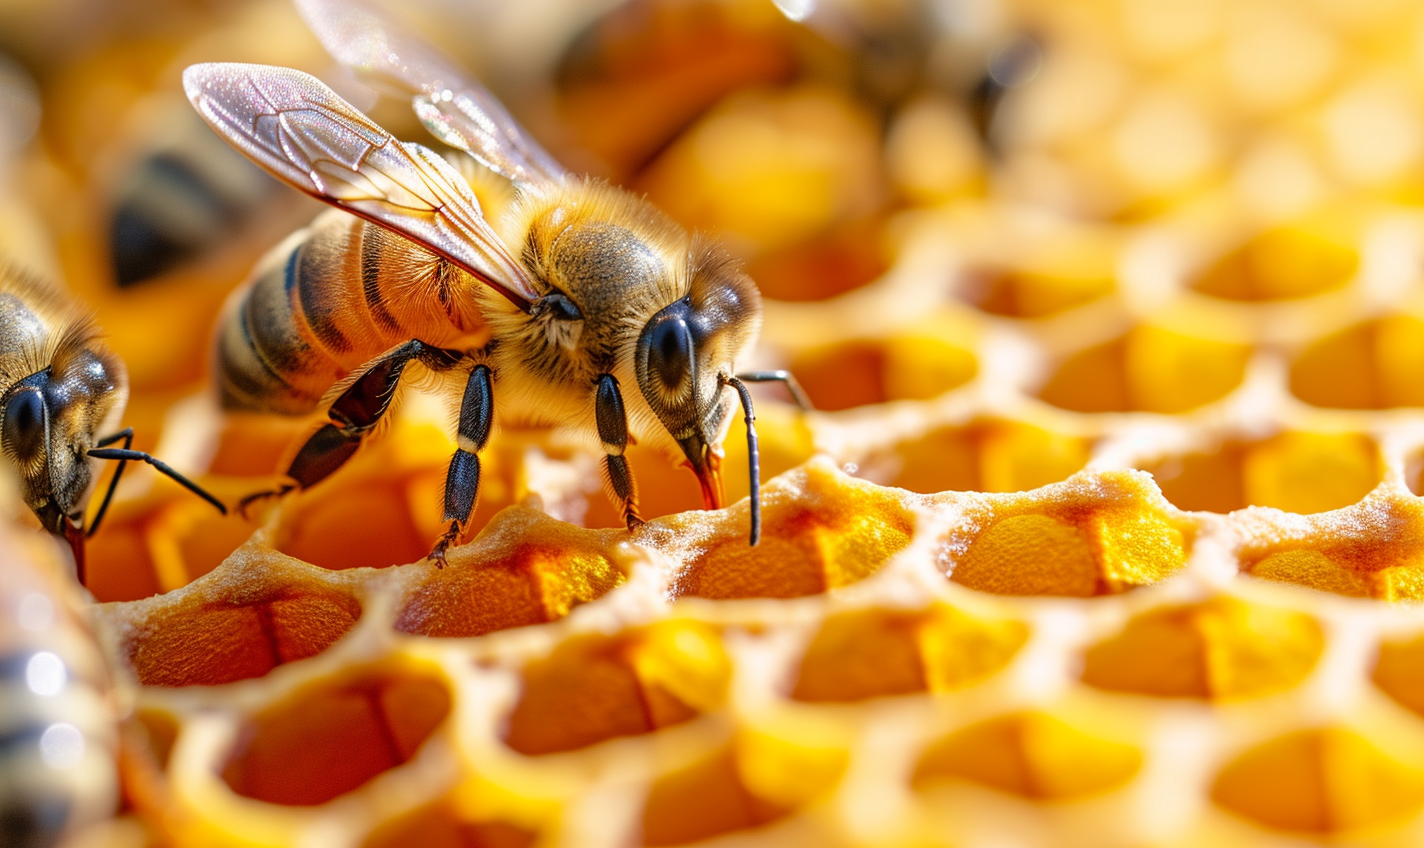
{"x": 1077, "y": 547}
{"x": 1216, "y": 649}
{"x": 332, "y": 736}
{"x": 983, "y": 456}
{"x": 1294, "y": 471}
{"x": 1320, "y": 782}
{"x": 1030, "y": 755}
{"x": 206, "y": 639}
{"x": 596, "y": 688}
{"x": 755, "y": 781}
{"x": 1371, "y": 365}
{"x": 535, "y": 575}
{"x": 841, "y": 532}
{"x": 910, "y": 366}
{"x": 1371, "y": 550}
{"x": 878, "y": 652}
{"x": 1307, "y": 257}
{"x": 1148, "y": 370}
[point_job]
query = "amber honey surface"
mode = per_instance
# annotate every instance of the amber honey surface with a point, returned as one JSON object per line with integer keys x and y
{"x": 1106, "y": 529}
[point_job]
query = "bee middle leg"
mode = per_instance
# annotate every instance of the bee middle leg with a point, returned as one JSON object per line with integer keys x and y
{"x": 613, "y": 432}
{"x": 353, "y": 415}
{"x": 462, "y": 481}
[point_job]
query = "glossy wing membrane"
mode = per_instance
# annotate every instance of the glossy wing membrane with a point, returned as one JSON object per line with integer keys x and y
{"x": 457, "y": 110}
{"x": 304, "y": 134}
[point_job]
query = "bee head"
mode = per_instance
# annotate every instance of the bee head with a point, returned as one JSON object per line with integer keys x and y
{"x": 686, "y": 350}
{"x": 47, "y": 426}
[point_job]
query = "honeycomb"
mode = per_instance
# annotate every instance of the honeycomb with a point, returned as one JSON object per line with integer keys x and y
{"x": 1106, "y": 529}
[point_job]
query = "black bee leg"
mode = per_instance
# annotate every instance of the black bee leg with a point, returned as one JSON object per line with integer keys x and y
{"x": 613, "y": 432}
{"x": 462, "y": 481}
{"x": 786, "y": 378}
{"x": 753, "y": 453}
{"x": 355, "y": 413}
{"x": 126, "y": 436}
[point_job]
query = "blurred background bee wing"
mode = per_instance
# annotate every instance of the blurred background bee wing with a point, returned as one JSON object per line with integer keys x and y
{"x": 456, "y": 109}
{"x": 301, "y": 132}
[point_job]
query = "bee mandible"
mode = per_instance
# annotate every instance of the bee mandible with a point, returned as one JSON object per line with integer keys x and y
{"x": 575, "y": 291}
{"x": 61, "y": 388}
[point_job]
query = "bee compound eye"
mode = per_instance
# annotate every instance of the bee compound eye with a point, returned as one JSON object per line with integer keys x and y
{"x": 670, "y": 351}
{"x": 23, "y": 427}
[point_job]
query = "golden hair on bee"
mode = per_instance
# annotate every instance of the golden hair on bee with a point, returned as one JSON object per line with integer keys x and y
{"x": 576, "y": 292}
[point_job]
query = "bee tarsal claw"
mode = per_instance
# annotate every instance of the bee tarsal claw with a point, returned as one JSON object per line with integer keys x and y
{"x": 245, "y": 504}
{"x": 450, "y": 537}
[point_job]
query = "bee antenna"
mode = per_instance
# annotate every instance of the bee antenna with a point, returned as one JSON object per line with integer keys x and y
{"x": 753, "y": 455}
{"x": 123, "y": 455}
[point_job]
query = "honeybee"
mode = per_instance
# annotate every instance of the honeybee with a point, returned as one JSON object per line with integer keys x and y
{"x": 60, "y": 388}
{"x": 57, "y": 718}
{"x": 547, "y": 311}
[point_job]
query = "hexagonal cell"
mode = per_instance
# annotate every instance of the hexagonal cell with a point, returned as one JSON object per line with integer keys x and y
{"x": 836, "y": 532}
{"x": 1024, "y": 293}
{"x": 1105, "y": 538}
{"x": 1306, "y": 257}
{"x": 832, "y": 263}
{"x": 1371, "y": 365}
{"x": 1215, "y": 649}
{"x": 384, "y": 506}
{"x": 600, "y": 687}
{"x": 1367, "y": 550}
{"x": 1397, "y": 671}
{"x": 161, "y": 542}
{"x": 1149, "y": 369}
{"x": 524, "y": 568}
{"x": 331, "y": 737}
{"x": 1294, "y": 471}
{"x": 1031, "y": 755}
{"x": 1321, "y": 781}
{"x": 989, "y": 455}
{"x": 907, "y": 366}
{"x": 637, "y": 76}
{"x": 755, "y": 781}
{"x": 876, "y": 652}
{"x": 210, "y": 635}
{"x": 444, "y": 825}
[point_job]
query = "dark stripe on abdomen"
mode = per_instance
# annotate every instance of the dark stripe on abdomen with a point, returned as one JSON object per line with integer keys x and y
{"x": 271, "y": 326}
{"x": 372, "y": 257}
{"x": 312, "y": 278}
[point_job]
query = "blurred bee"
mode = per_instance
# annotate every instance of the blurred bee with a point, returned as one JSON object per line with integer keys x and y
{"x": 57, "y": 721}
{"x": 60, "y": 388}
{"x": 578, "y": 290}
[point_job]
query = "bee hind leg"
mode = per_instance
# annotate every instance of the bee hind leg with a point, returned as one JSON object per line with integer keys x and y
{"x": 613, "y": 432}
{"x": 462, "y": 481}
{"x": 353, "y": 415}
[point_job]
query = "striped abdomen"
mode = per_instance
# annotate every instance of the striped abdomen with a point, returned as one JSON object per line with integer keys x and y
{"x": 58, "y": 728}
{"x": 330, "y": 299}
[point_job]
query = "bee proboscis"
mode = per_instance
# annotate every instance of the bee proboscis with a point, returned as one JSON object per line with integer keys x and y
{"x": 545, "y": 313}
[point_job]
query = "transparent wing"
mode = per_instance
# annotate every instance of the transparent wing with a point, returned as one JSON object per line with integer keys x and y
{"x": 302, "y": 133}
{"x": 455, "y": 108}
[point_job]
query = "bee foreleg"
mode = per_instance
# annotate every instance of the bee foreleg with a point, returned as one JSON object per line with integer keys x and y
{"x": 786, "y": 378}
{"x": 613, "y": 432}
{"x": 462, "y": 481}
{"x": 753, "y": 454}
